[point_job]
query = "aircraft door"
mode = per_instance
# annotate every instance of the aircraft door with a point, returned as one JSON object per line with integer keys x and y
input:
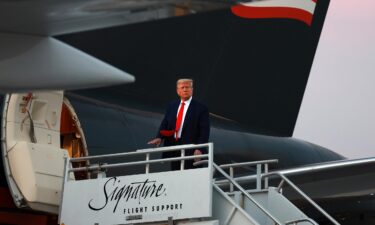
{"x": 32, "y": 147}
{"x": 72, "y": 136}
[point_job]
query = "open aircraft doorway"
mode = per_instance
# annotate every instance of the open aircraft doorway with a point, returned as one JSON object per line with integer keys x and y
{"x": 39, "y": 130}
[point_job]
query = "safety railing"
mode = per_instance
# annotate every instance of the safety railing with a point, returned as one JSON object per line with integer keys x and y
{"x": 264, "y": 176}
{"x": 259, "y": 165}
{"x": 246, "y": 194}
{"x": 146, "y": 152}
{"x": 299, "y": 191}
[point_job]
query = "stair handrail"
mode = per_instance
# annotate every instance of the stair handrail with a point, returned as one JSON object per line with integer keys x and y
{"x": 142, "y": 152}
{"x": 299, "y": 191}
{"x": 245, "y": 193}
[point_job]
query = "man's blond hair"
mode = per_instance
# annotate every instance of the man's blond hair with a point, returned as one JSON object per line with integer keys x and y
{"x": 183, "y": 80}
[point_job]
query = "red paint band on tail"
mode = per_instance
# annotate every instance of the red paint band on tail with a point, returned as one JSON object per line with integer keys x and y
{"x": 252, "y": 12}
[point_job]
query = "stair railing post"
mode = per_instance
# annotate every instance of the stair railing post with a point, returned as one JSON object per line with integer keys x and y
{"x": 280, "y": 186}
{"x": 266, "y": 179}
{"x": 147, "y": 165}
{"x": 170, "y": 221}
{"x": 259, "y": 176}
{"x": 182, "y": 164}
{"x": 231, "y": 174}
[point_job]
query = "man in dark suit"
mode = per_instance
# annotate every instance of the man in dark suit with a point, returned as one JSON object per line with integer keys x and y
{"x": 186, "y": 121}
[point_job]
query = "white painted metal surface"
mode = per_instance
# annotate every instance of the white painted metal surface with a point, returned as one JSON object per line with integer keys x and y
{"x": 32, "y": 153}
{"x": 31, "y": 150}
{"x": 277, "y": 204}
{"x": 138, "y": 198}
{"x": 228, "y": 212}
{"x": 141, "y": 198}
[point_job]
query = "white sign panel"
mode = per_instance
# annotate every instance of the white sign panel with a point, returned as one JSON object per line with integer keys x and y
{"x": 138, "y": 198}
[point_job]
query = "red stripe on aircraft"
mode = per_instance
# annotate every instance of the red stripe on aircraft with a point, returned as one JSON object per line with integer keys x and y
{"x": 252, "y": 12}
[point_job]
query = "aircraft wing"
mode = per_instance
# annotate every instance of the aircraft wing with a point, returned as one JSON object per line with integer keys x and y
{"x": 30, "y": 59}
{"x": 48, "y": 18}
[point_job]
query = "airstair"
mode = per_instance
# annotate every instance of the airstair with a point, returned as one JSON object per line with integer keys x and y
{"x": 112, "y": 193}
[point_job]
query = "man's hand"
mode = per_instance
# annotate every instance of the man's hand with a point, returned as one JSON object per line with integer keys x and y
{"x": 156, "y": 141}
{"x": 197, "y": 152}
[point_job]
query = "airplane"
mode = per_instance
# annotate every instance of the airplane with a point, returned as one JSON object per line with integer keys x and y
{"x": 26, "y": 30}
{"x": 102, "y": 117}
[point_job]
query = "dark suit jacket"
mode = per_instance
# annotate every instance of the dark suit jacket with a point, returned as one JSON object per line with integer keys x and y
{"x": 196, "y": 127}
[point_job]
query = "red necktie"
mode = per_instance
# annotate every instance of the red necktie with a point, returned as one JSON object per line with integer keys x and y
{"x": 179, "y": 119}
